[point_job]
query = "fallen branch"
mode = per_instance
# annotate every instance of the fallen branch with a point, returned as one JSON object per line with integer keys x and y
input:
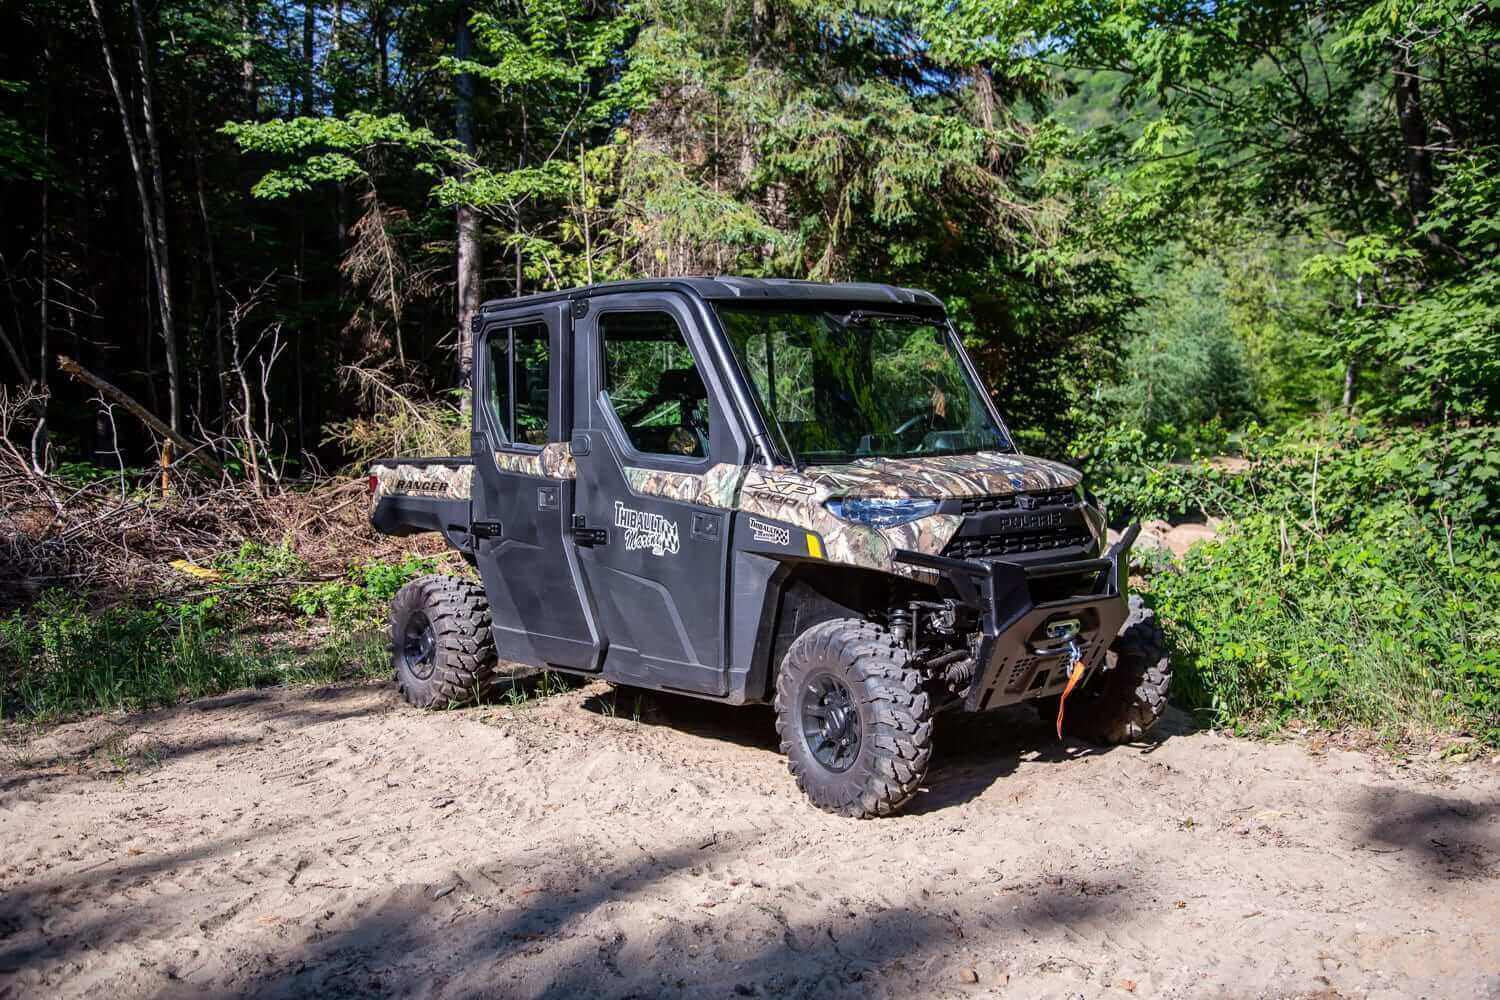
{"x": 220, "y": 588}
{"x": 136, "y": 410}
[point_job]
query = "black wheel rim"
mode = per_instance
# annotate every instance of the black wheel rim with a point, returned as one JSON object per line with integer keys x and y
{"x": 830, "y": 721}
{"x": 418, "y": 646}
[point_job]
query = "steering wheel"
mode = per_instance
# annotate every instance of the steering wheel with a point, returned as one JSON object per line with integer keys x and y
{"x": 920, "y": 421}
{"x": 696, "y": 422}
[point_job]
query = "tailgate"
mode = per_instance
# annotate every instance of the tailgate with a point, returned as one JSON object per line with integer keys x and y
{"x": 411, "y": 495}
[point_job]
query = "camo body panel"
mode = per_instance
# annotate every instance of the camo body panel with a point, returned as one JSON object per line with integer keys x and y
{"x": 792, "y": 496}
{"x": 875, "y": 548}
{"x": 718, "y": 487}
{"x": 554, "y": 461}
{"x": 798, "y": 497}
{"x": 446, "y": 482}
{"x": 941, "y": 476}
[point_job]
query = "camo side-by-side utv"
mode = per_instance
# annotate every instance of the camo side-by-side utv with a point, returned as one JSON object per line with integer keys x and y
{"x": 767, "y": 491}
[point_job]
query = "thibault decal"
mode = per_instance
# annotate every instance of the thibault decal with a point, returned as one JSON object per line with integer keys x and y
{"x": 774, "y": 534}
{"x": 645, "y": 530}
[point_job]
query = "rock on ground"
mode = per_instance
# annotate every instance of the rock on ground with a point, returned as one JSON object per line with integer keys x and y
{"x": 1173, "y": 538}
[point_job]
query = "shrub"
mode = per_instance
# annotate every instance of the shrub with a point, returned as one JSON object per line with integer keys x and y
{"x": 1358, "y": 585}
{"x": 255, "y": 562}
{"x": 360, "y": 598}
{"x": 398, "y": 420}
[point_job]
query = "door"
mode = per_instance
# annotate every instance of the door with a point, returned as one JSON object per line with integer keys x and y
{"x": 523, "y": 493}
{"x": 653, "y": 443}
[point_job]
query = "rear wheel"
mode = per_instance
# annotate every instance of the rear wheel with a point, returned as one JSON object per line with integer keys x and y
{"x": 442, "y": 649}
{"x": 1123, "y": 704}
{"x": 854, "y": 719}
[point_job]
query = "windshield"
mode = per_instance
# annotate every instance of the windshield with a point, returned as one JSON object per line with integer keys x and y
{"x": 842, "y": 386}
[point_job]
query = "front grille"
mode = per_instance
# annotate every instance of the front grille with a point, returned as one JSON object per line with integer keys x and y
{"x": 1045, "y": 498}
{"x": 1016, "y": 542}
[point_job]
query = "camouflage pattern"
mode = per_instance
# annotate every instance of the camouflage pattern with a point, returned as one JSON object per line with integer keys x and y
{"x": 792, "y": 496}
{"x": 554, "y": 461}
{"x": 717, "y": 487}
{"x": 873, "y": 548}
{"x": 446, "y": 482}
{"x": 797, "y": 497}
{"x": 985, "y": 474}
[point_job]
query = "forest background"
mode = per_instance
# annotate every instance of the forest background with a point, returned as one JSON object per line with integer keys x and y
{"x": 1236, "y": 259}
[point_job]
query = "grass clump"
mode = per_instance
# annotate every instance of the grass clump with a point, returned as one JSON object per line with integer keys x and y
{"x": 61, "y": 657}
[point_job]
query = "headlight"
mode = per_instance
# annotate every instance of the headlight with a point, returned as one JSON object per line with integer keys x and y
{"x": 880, "y": 513}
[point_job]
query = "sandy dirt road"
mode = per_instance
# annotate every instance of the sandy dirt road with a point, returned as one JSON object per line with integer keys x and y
{"x": 335, "y": 843}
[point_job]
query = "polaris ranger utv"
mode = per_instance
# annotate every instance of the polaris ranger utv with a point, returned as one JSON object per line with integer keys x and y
{"x": 767, "y": 491}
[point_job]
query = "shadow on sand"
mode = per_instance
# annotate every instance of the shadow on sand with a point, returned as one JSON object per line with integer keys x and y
{"x": 970, "y": 752}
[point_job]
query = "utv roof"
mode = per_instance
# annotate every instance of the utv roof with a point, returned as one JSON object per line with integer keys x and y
{"x": 748, "y": 289}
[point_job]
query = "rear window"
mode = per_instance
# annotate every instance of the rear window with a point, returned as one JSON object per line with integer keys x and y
{"x": 520, "y": 379}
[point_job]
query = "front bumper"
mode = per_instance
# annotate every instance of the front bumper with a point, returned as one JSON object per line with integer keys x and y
{"x": 1017, "y": 660}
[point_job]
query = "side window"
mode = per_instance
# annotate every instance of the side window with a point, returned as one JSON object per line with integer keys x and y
{"x": 520, "y": 378}
{"x": 653, "y": 384}
{"x": 531, "y": 362}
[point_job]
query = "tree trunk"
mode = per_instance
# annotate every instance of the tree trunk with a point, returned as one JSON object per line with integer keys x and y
{"x": 248, "y": 28}
{"x": 158, "y": 184}
{"x": 330, "y": 61}
{"x": 987, "y": 111}
{"x": 138, "y": 169}
{"x": 470, "y": 259}
{"x": 332, "y": 75}
{"x": 984, "y": 96}
{"x": 39, "y": 439}
{"x": 381, "y": 25}
{"x": 1351, "y": 367}
{"x": 762, "y": 25}
{"x": 771, "y": 201}
{"x": 309, "y": 25}
{"x": 1414, "y": 137}
{"x": 341, "y": 206}
{"x": 214, "y": 287}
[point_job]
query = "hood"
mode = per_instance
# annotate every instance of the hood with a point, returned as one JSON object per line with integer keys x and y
{"x": 940, "y": 476}
{"x": 797, "y": 497}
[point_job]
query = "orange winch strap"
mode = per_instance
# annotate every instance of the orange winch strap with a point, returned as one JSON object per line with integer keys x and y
{"x": 1074, "y": 673}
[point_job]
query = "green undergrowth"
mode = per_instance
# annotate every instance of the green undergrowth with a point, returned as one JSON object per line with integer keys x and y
{"x": 361, "y": 595}
{"x": 1356, "y": 586}
{"x": 63, "y": 657}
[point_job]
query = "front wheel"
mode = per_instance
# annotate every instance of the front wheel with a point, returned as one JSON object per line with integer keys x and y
{"x": 1123, "y": 703}
{"x": 854, "y": 719}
